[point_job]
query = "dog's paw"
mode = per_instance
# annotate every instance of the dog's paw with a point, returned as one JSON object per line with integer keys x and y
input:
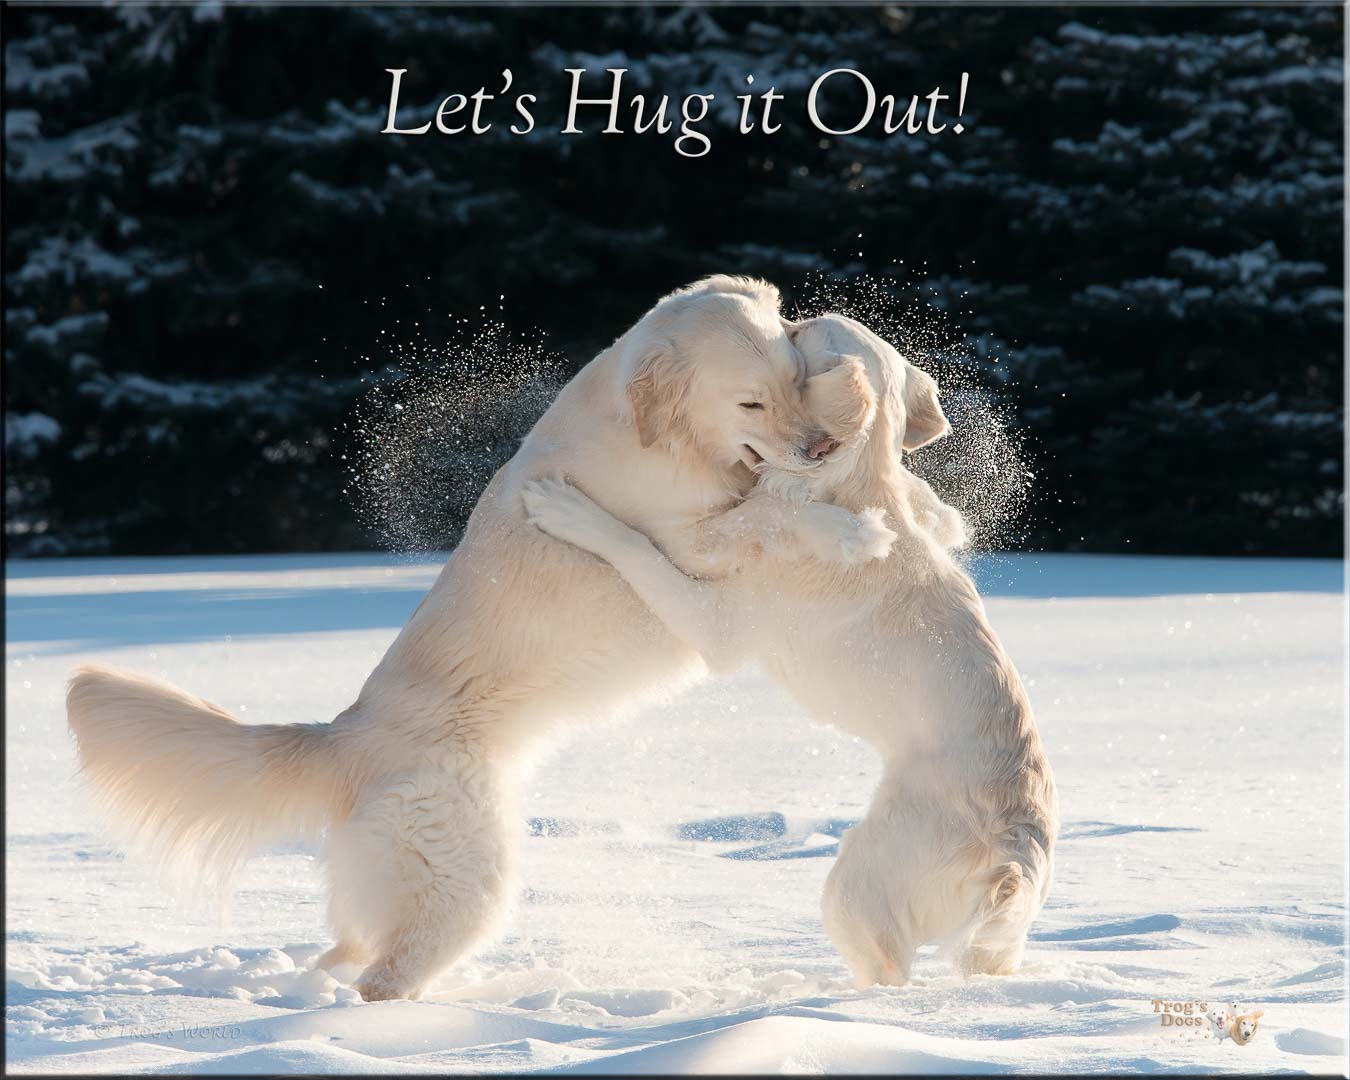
{"x": 835, "y": 535}
{"x": 875, "y": 537}
{"x": 559, "y": 509}
{"x": 380, "y": 984}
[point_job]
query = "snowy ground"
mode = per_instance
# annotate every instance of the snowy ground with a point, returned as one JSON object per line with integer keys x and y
{"x": 1193, "y": 711}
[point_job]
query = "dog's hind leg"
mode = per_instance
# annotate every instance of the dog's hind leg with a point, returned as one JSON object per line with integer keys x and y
{"x": 875, "y": 949}
{"x": 860, "y": 916}
{"x": 424, "y": 868}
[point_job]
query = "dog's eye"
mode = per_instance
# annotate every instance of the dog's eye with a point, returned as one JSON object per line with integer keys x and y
{"x": 752, "y": 405}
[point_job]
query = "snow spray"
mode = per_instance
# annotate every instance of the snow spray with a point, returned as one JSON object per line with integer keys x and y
{"x": 435, "y": 426}
{"x": 442, "y": 418}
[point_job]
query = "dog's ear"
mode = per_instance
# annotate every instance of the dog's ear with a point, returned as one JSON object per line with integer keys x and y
{"x": 925, "y": 421}
{"x": 656, "y": 391}
{"x": 841, "y": 400}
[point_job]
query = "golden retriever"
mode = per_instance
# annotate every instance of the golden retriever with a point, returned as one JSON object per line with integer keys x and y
{"x": 416, "y": 782}
{"x": 956, "y": 845}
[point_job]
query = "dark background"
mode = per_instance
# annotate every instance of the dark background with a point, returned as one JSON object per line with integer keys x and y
{"x": 1142, "y": 225}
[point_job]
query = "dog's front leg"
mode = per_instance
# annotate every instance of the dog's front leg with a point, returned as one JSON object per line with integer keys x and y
{"x": 767, "y": 524}
{"x": 688, "y": 607}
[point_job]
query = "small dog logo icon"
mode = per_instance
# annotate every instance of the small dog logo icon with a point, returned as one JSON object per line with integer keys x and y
{"x": 1230, "y": 1022}
{"x": 1221, "y": 1021}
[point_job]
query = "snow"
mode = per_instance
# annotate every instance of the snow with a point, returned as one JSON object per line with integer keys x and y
{"x": 97, "y": 149}
{"x": 22, "y": 124}
{"x": 1193, "y": 711}
{"x": 56, "y": 260}
{"x": 26, "y": 433}
{"x": 57, "y": 80}
{"x": 68, "y": 331}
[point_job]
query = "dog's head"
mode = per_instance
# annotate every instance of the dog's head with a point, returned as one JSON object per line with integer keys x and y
{"x": 1220, "y": 1018}
{"x": 867, "y": 396}
{"x": 841, "y": 400}
{"x": 1244, "y": 1027}
{"x": 710, "y": 369}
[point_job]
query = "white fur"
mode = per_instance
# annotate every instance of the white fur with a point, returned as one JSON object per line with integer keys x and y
{"x": 415, "y": 781}
{"x": 956, "y": 846}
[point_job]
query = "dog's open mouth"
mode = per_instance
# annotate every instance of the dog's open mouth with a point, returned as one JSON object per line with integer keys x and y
{"x": 755, "y": 462}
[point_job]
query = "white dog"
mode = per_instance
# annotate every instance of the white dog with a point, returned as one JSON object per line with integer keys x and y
{"x": 1220, "y": 1020}
{"x": 416, "y": 781}
{"x": 956, "y": 846}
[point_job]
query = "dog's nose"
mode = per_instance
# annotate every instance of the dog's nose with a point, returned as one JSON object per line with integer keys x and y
{"x": 821, "y": 446}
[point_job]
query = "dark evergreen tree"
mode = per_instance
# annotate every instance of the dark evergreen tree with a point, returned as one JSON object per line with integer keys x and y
{"x": 1140, "y": 232}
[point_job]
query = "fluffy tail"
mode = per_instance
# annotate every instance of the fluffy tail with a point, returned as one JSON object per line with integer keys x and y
{"x": 992, "y": 940}
{"x": 188, "y": 783}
